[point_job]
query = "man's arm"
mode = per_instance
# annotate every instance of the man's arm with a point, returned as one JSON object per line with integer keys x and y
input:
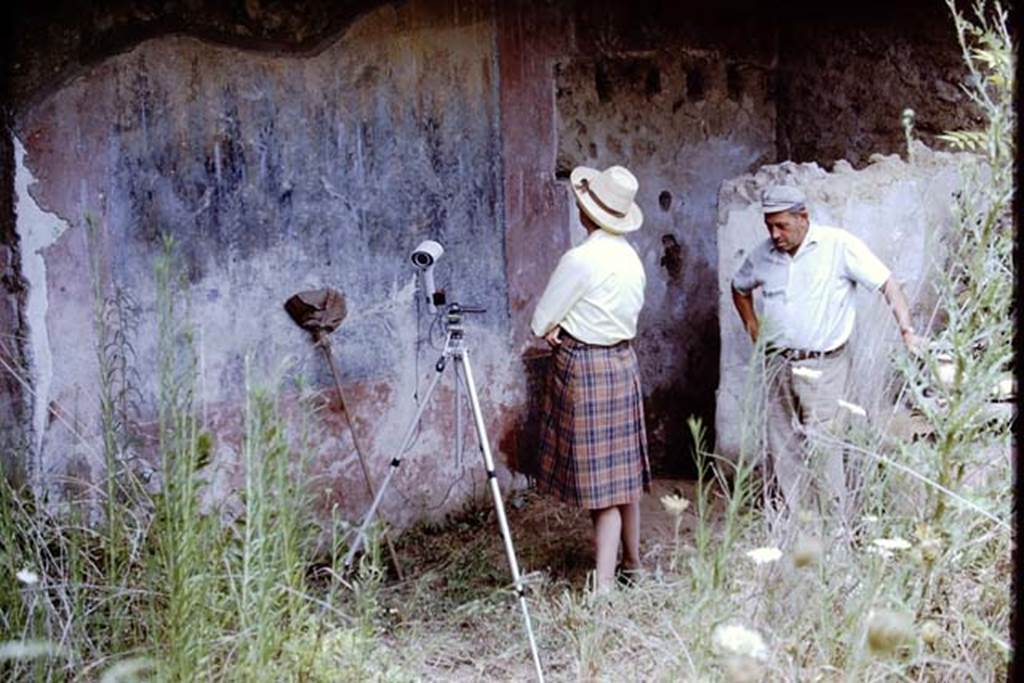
{"x": 744, "y": 303}
{"x": 893, "y": 294}
{"x": 864, "y": 268}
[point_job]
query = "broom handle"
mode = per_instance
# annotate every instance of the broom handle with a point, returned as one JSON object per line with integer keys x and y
{"x": 325, "y": 343}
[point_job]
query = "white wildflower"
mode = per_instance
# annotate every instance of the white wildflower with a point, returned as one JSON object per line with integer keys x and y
{"x": 27, "y": 649}
{"x": 764, "y": 555}
{"x": 129, "y": 670}
{"x": 675, "y": 504}
{"x": 805, "y": 372}
{"x": 852, "y": 407}
{"x": 28, "y": 577}
{"x": 946, "y": 372}
{"x": 739, "y": 640}
{"x": 892, "y": 543}
{"x": 870, "y": 519}
{"x": 930, "y": 549}
{"x": 882, "y": 552}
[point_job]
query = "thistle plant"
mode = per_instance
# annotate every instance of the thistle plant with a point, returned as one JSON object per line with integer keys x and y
{"x": 114, "y": 322}
{"x": 953, "y": 385}
{"x": 267, "y": 565}
{"x": 181, "y": 535}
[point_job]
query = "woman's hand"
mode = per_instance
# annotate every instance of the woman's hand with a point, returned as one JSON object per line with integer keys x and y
{"x": 552, "y": 337}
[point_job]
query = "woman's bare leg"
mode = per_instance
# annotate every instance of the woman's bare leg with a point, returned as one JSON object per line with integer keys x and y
{"x": 607, "y": 530}
{"x": 630, "y": 513}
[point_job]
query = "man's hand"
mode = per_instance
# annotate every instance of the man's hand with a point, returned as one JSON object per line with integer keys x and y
{"x": 552, "y": 337}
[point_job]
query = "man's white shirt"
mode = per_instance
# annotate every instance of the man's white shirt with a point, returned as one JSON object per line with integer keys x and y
{"x": 595, "y": 293}
{"x": 808, "y": 298}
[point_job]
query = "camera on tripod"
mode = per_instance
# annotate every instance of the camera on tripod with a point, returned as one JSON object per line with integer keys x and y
{"x": 424, "y": 256}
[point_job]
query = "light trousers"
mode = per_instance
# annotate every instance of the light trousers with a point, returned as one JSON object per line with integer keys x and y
{"x": 803, "y": 399}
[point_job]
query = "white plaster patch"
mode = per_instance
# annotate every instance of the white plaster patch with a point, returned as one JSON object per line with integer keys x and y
{"x": 37, "y": 229}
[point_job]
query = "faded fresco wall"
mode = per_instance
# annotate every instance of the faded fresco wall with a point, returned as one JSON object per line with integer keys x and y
{"x": 272, "y": 175}
{"x": 295, "y": 145}
{"x": 901, "y": 210}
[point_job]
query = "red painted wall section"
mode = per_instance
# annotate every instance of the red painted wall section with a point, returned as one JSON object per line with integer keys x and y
{"x": 530, "y": 38}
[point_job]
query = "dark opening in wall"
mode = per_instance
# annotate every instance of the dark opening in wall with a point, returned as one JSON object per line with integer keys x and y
{"x": 672, "y": 256}
{"x": 602, "y": 82}
{"x": 734, "y": 82}
{"x": 695, "y": 83}
{"x": 652, "y": 85}
{"x": 665, "y": 200}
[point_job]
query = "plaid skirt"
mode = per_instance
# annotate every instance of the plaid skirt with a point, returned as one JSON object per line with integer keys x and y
{"x": 593, "y": 445}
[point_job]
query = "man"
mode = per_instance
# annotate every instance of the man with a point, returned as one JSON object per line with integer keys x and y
{"x": 807, "y": 274}
{"x": 593, "y": 442}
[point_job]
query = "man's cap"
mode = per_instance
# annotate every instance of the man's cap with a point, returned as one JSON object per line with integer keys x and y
{"x": 778, "y": 198}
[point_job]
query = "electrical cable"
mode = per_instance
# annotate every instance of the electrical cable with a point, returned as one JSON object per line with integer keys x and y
{"x": 435, "y": 324}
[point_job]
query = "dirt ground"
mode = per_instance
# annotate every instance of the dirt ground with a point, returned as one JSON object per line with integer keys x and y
{"x": 548, "y": 536}
{"x": 450, "y": 618}
{"x": 556, "y": 538}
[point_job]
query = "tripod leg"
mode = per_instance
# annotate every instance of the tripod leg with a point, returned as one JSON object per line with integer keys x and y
{"x": 406, "y": 441}
{"x": 499, "y": 508}
{"x": 458, "y": 414}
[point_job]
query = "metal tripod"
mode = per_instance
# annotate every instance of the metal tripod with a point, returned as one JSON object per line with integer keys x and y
{"x": 455, "y": 349}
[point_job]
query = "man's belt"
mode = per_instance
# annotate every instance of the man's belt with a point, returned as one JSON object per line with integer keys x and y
{"x": 804, "y": 354}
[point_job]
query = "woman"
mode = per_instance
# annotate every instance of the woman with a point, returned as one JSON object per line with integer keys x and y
{"x": 593, "y": 441}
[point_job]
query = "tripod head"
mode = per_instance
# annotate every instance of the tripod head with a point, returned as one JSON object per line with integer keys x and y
{"x": 453, "y": 317}
{"x": 455, "y": 310}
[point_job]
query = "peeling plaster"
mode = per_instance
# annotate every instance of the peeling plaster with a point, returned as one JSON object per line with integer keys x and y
{"x": 37, "y": 230}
